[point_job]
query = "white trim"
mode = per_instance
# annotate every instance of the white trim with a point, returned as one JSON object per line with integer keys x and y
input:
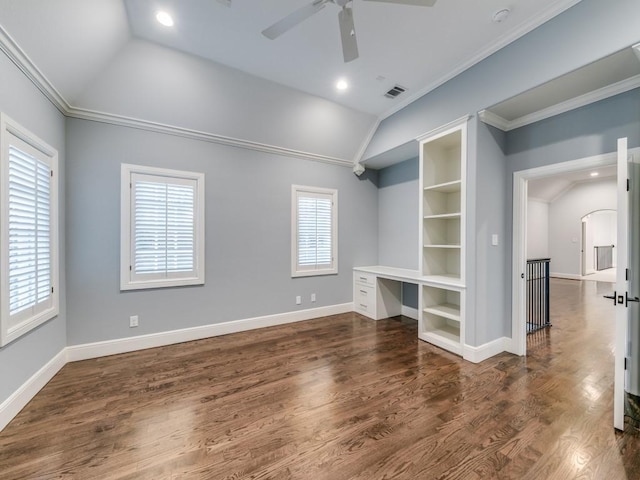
{"x": 128, "y": 279}
{"x": 45, "y": 152}
{"x": 490, "y": 118}
{"x": 487, "y": 350}
{"x": 131, "y": 344}
{"x": 519, "y": 243}
{"x": 410, "y": 312}
{"x": 21, "y": 60}
{"x": 13, "y": 51}
{"x": 296, "y": 270}
{"x": 443, "y": 130}
{"x": 23, "y": 395}
{"x": 366, "y": 142}
{"x": 192, "y": 134}
{"x": 566, "y": 276}
{"x": 521, "y": 30}
{"x": 580, "y": 101}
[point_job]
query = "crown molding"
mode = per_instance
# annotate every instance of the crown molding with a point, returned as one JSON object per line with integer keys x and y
{"x": 490, "y": 118}
{"x": 124, "y": 121}
{"x": 437, "y": 131}
{"x": 505, "y": 125}
{"x": 577, "y": 102}
{"x": 515, "y": 34}
{"x": 13, "y": 51}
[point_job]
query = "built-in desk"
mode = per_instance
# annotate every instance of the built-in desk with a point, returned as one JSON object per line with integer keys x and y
{"x": 377, "y": 294}
{"x": 377, "y": 291}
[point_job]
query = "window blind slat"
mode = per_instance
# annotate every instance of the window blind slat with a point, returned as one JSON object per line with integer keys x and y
{"x": 164, "y": 222}
{"x": 29, "y": 241}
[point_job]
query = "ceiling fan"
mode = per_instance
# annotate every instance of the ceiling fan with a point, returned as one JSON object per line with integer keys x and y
{"x": 345, "y": 20}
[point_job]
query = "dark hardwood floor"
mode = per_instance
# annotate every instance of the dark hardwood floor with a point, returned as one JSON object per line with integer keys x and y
{"x": 340, "y": 397}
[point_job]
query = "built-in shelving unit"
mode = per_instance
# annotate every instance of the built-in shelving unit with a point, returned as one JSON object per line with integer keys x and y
{"x": 442, "y": 210}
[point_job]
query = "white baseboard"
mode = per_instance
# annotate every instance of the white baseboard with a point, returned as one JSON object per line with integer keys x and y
{"x": 568, "y": 276}
{"x": 124, "y": 345}
{"x": 409, "y": 312}
{"x": 487, "y": 350}
{"x": 23, "y": 395}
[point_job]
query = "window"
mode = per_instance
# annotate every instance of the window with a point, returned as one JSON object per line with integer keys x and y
{"x": 29, "y": 229}
{"x": 314, "y": 231}
{"x": 162, "y": 231}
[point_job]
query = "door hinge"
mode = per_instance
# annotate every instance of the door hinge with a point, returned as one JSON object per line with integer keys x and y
{"x": 626, "y": 274}
{"x": 625, "y": 363}
{"x": 130, "y": 269}
{"x": 52, "y": 173}
{"x": 628, "y": 185}
{"x": 51, "y": 289}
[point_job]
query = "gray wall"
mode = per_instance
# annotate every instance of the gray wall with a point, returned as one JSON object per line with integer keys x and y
{"x": 588, "y": 31}
{"x": 398, "y": 222}
{"x": 24, "y": 103}
{"x": 248, "y": 229}
{"x": 565, "y": 223}
{"x": 492, "y": 292}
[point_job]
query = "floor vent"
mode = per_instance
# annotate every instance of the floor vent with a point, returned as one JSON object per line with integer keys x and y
{"x": 395, "y": 91}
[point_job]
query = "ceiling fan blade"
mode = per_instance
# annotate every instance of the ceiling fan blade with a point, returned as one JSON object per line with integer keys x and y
{"x": 417, "y": 3}
{"x": 293, "y": 19}
{"x": 348, "y": 34}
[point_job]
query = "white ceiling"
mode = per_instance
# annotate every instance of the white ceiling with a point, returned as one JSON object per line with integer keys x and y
{"x": 73, "y": 41}
{"x": 551, "y": 188}
{"x": 415, "y": 47}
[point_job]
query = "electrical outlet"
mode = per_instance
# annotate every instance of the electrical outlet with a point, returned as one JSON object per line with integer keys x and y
{"x": 313, "y": 297}
{"x": 298, "y": 300}
{"x": 133, "y": 321}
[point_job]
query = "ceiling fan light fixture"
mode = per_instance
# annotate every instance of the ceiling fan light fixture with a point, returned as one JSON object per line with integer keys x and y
{"x": 164, "y": 18}
{"x": 594, "y": 174}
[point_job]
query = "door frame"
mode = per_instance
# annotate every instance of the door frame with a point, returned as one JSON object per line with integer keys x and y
{"x": 519, "y": 239}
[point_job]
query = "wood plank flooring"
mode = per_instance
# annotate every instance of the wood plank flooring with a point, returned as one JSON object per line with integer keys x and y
{"x": 340, "y": 397}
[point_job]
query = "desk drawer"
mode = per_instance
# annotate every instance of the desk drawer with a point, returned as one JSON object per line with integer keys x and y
{"x": 366, "y": 279}
{"x": 364, "y": 296}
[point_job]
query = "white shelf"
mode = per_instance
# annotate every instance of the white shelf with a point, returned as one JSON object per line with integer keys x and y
{"x": 443, "y": 281}
{"x": 447, "y": 310}
{"x": 447, "y": 187}
{"x": 442, "y": 236}
{"x": 443, "y": 216}
{"x": 446, "y": 338}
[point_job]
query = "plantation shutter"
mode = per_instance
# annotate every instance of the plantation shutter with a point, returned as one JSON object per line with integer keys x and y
{"x": 314, "y": 231}
{"x": 29, "y": 242}
{"x": 163, "y": 227}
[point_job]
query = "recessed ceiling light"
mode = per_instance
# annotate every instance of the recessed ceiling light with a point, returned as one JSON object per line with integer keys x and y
{"x": 594, "y": 174}
{"x": 165, "y": 19}
{"x": 342, "y": 84}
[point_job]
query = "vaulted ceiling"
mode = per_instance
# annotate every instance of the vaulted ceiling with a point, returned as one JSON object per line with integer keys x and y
{"x": 214, "y": 71}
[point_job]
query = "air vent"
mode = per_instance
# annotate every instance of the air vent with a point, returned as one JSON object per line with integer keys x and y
{"x": 395, "y": 91}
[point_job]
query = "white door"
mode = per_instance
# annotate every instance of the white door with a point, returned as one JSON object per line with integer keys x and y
{"x": 625, "y": 297}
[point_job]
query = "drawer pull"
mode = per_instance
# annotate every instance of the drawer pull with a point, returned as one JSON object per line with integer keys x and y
{"x": 364, "y": 292}
{"x": 364, "y": 279}
{"x": 363, "y": 306}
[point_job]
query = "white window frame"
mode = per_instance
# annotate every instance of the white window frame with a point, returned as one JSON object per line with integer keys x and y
{"x": 14, "y": 326}
{"x": 300, "y": 271}
{"x": 128, "y": 279}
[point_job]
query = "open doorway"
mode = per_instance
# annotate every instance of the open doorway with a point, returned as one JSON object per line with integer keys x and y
{"x": 599, "y": 240}
{"x": 544, "y": 185}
